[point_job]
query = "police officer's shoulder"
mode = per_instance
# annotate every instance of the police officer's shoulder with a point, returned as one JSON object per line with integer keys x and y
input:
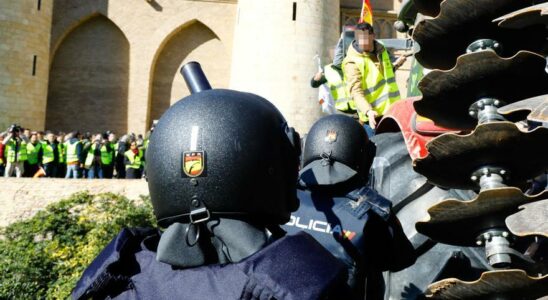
{"x": 100, "y": 274}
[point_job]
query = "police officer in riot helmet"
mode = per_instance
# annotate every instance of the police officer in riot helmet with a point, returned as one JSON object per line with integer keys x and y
{"x": 222, "y": 173}
{"x": 339, "y": 209}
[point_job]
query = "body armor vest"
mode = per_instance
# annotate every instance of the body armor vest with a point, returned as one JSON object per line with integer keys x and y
{"x": 342, "y": 224}
{"x": 293, "y": 267}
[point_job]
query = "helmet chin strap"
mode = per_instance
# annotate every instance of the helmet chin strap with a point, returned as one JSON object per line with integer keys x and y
{"x": 222, "y": 240}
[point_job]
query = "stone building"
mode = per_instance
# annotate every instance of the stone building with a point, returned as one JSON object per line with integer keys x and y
{"x": 99, "y": 65}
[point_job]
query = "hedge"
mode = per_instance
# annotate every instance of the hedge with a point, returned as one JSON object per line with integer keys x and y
{"x": 44, "y": 256}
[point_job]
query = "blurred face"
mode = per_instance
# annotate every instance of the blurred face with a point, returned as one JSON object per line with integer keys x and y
{"x": 34, "y": 139}
{"x": 26, "y": 132}
{"x": 365, "y": 40}
{"x": 61, "y": 138}
{"x": 112, "y": 138}
{"x": 39, "y": 136}
{"x": 51, "y": 138}
{"x": 133, "y": 145}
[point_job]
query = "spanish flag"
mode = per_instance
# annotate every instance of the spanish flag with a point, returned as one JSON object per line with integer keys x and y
{"x": 367, "y": 13}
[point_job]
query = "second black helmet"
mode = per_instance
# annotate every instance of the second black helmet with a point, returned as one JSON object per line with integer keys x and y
{"x": 335, "y": 150}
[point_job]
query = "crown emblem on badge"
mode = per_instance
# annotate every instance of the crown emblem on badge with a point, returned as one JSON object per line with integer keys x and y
{"x": 331, "y": 136}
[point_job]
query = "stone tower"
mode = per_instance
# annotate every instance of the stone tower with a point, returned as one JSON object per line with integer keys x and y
{"x": 275, "y": 42}
{"x": 25, "y": 27}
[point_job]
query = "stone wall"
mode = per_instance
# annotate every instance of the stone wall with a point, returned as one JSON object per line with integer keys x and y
{"x": 88, "y": 82}
{"x": 23, "y": 197}
{"x": 275, "y": 45}
{"x": 266, "y": 47}
{"x": 155, "y": 30}
{"x": 24, "y": 61}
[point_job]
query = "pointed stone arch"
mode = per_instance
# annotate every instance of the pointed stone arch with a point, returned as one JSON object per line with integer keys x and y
{"x": 89, "y": 77}
{"x": 192, "y": 41}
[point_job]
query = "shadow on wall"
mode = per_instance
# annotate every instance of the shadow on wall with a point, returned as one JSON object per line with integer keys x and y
{"x": 195, "y": 42}
{"x": 89, "y": 78}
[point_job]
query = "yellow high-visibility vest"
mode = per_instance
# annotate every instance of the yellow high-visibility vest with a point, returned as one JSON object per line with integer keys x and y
{"x": 48, "y": 155}
{"x": 32, "y": 152}
{"x": 19, "y": 155}
{"x": 135, "y": 160}
{"x": 380, "y": 89}
{"x": 62, "y": 152}
{"x": 72, "y": 155}
{"x": 106, "y": 156}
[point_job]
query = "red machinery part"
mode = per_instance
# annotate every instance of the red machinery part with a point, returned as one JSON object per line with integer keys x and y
{"x": 417, "y": 130}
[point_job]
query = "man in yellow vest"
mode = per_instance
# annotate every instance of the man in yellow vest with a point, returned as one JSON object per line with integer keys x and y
{"x": 134, "y": 161}
{"x": 73, "y": 148}
{"x": 15, "y": 152}
{"x": 34, "y": 155}
{"x": 62, "y": 166}
{"x": 369, "y": 76}
{"x": 50, "y": 155}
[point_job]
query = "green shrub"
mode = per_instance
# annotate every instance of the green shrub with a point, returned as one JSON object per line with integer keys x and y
{"x": 44, "y": 256}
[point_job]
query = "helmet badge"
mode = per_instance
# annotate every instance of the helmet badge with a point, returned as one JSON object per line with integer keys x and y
{"x": 331, "y": 136}
{"x": 193, "y": 163}
{"x": 194, "y": 160}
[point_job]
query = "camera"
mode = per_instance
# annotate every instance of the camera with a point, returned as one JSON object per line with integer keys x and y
{"x": 14, "y": 128}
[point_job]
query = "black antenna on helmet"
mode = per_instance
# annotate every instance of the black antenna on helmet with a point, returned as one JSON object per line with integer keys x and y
{"x": 194, "y": 76}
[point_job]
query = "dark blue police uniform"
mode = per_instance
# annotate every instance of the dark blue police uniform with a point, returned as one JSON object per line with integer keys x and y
{"x": 293, "y": 267}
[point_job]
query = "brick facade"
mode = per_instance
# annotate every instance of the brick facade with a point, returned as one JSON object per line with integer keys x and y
{"x": 242, "y": 44}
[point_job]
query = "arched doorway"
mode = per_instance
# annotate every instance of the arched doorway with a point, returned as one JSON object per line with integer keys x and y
{"x": 194, "y": 42}
{"x": 89, "y": 76}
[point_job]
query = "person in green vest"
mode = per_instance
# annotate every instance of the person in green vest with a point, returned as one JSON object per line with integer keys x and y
{"x": 120, "y": 150}
{"x": 34, "y": 155}
{"x": 86, "y": 141}
{"x": 73, "y": 148}
{"x": 62, "y": 166}
{"x": 100, "y": 158}
{"x": 50, "y": 155}
{"x": 15, "y": 152}
{"x": 113, "y": 142}
{"x": 369, "y": 77}
{"x": 134, "y": 159}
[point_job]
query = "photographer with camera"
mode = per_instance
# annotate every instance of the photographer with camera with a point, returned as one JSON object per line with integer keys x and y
{"x": 100, "y": 158}
{"x": 15, "y": 152}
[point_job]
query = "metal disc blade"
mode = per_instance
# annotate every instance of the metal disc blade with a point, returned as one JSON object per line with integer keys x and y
{"x": 462, "y": 22}
{"x": 453, "y": 158}
{"x": 447, "y": 95}
{"x": 532, "y": 15}
{"x": 531, "y": 220}
{"x": 533, "y": 109}
{"x": 457, "y": 222}
{"x": 502, "y": 284}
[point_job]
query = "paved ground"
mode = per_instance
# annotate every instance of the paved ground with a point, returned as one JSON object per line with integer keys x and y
{"x": 23, "y": 197}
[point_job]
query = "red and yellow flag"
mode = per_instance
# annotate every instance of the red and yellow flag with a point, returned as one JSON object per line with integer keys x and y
{"x": 367, "y": 13}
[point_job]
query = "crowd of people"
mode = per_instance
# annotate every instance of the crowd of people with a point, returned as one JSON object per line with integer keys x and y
{"x": 26, "y": 153}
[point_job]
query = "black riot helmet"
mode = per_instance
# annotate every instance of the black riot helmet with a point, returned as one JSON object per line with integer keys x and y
{"x": 223, "y": 153}
{"x": 336, "y": 150}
